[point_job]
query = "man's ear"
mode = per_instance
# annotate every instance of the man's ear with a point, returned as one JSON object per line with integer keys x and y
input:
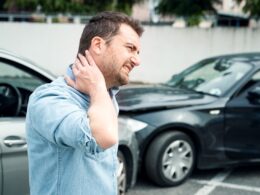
{"x": 97, "y": 45}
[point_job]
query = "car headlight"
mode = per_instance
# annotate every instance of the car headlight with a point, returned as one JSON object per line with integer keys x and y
{"x": 131, "y": 124}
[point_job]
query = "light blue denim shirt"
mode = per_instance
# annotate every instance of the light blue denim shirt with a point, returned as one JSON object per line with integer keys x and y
{"x": 64, "y": 158}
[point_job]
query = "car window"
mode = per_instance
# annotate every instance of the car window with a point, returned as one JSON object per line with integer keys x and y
{"x": 215, "y": 77}
{"x": 252, "y": 82}
{"x": 256, "y": 76}
{"x": 218, "y": 82}
{"x": 17, "y": 82}
{"x": 18, "y": 77}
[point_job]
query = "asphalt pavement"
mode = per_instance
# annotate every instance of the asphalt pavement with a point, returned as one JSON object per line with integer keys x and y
{"x": 243, "y": 180}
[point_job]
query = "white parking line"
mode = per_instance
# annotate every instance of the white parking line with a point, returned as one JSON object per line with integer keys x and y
{"x": 208, "y": 188}
{"x": 227, "y": 185}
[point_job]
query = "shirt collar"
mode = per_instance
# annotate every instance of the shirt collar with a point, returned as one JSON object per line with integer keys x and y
{"x": 113, "y": 90}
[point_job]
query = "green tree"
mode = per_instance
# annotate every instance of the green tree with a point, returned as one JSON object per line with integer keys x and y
{"x": 2, "y": 5}
{"x": 62, "y": 6}
{"x": 124, "y": 5}
{"x": 192, "y": 10}
{"x": 71, "y": 6}
{"x": 20, "y": 5}
{"x": 252, "y": 7}
{"x": 114, "y": 5}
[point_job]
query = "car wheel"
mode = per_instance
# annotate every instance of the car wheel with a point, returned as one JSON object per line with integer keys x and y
{"x": 170, "y": 159}
{"x": 121, "y": 174}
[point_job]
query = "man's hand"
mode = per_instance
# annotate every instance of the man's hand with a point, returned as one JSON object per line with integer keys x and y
{"x": 89, "y": 78}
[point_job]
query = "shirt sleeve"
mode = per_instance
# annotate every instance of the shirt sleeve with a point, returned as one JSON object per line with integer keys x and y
{"x": 62, "y": 121}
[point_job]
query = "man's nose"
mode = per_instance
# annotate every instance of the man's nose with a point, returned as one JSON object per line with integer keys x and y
{"x": 135, "y": 60}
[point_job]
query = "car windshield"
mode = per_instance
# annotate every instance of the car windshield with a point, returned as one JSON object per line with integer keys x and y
{"x": 214, "y": 76}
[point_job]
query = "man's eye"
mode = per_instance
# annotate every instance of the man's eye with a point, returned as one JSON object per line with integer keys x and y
{"x": 130, "y": 48}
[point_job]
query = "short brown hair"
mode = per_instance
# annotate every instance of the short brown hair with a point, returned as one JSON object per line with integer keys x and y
{"x": 106, "y": 25}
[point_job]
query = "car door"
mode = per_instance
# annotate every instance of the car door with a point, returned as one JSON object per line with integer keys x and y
{"x": 16, "y": 83}
{"x": 13, "y": 156}
{"x": 242, "y": 123}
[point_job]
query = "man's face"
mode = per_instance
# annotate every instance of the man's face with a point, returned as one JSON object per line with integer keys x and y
{"x": 121, "y": 56}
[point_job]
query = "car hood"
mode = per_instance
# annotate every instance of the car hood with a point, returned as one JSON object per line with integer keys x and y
{"x": 147, "y": 97}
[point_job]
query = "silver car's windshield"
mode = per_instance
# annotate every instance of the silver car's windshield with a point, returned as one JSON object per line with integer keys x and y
{"x": 213, "y": 76}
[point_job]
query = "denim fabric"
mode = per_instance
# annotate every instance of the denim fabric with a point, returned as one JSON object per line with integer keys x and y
{"x": 64, "y": 158}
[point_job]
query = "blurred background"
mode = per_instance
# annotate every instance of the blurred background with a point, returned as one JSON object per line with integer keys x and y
{"x": 177, "y": 34}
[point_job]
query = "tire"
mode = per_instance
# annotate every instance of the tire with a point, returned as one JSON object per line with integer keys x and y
{"x": 170, "y": 159}
{"x": 121, "y": 174}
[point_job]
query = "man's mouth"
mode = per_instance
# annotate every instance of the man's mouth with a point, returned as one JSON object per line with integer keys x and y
{"x": 128, "y": 68}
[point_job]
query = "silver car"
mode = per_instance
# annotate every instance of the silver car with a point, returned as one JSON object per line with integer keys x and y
{"x": 18, "y": 78}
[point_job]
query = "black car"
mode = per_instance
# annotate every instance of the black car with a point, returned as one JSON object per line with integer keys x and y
{"x": 18, "y": 78}
{"x": 207, "y": 116}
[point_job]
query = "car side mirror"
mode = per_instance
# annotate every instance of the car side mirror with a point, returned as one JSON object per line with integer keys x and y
{"x": 255, "y": 92}
{"x": 254, "y": 95}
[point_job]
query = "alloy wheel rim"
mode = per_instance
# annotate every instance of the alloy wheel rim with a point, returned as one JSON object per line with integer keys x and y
{"x": 121, "y": 177}
{"x": 177, "y": 160}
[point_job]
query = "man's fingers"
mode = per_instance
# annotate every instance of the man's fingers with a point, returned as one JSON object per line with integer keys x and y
{"x": 91, "y": 61}
{"x": 83, "y": 61}
{"x": 76, "y": 67}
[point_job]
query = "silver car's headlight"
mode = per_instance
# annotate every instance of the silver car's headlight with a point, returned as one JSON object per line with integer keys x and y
{"x": 131, "y": 124}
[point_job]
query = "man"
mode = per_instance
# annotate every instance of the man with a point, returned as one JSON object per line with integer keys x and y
{"x": 72, "y": 122}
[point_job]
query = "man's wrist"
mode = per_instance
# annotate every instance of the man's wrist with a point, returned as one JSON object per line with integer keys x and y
{"x": 99, "y": 90}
